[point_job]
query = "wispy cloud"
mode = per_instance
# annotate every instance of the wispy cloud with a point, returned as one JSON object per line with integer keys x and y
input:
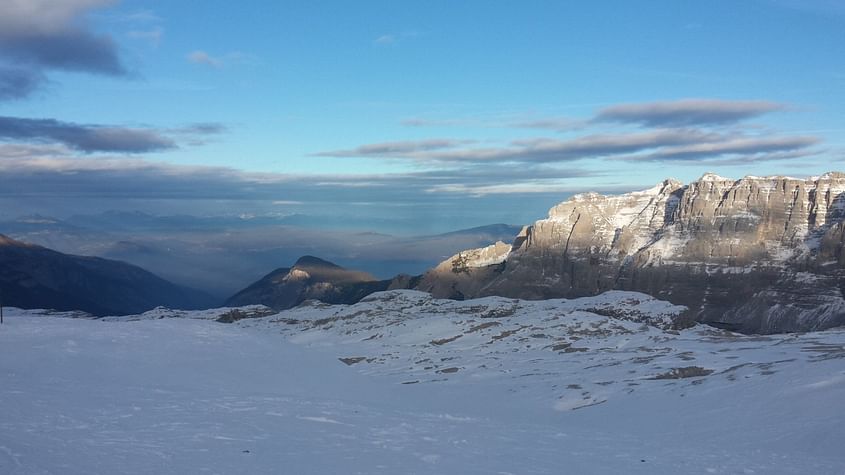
{"x": 687, "y": 112}
{"x": 204, "y": 58}
{"x": 141, "y": 16}
{"x": 386, "y": 40}
{"x": 661, "y": 114}
{"x": 524, "y": 188}
{"x": 680, "y": 130}
{"x": 558, "y": 124}
{"x": 394, "y": 38}
{"x": 398, "y": 149}
{"x": 203, "y": 128}
{"x": 196, "y": 134}
{"x": 421, "y": 122}
{"x": 153, "y": 36}
{"x": 759, "y": 147}
{"x": 201, "y": 57}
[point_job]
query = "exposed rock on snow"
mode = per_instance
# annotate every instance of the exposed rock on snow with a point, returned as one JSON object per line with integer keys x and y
{"x": 401, "y": 382}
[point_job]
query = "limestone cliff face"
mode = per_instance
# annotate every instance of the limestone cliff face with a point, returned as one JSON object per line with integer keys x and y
{"x": 466, "y": 273}
{"x": 760, "y": 254}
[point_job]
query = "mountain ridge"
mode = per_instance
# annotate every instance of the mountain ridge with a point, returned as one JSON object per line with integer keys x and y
{"x": 33, "y": 276}
{"x": 312, "y": 278}
{"x": 757, "y": 254}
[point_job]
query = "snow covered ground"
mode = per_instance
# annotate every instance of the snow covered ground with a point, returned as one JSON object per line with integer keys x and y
{"x": 401, "y": 383}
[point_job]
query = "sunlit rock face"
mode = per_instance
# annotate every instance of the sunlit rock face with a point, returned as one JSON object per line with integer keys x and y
{"x": 759, "y": 254}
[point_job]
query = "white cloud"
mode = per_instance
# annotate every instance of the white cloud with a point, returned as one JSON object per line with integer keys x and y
{"x": 153, "y": 35}
{"x": 217, "y": 62}
{"x": 201, "y": 57}
{"x": 386, "y": 39}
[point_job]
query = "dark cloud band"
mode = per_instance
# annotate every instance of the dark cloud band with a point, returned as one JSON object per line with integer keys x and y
{"x": 73, "y": 50}
{"x": 86, "y": 138}
{"x": 98, "y": 138}
{"x": 687, "y": 112}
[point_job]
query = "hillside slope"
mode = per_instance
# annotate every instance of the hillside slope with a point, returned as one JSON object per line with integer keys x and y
{"x": 36, "y": 277}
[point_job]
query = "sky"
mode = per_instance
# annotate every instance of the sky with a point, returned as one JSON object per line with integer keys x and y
{"x": 431, "y": 115}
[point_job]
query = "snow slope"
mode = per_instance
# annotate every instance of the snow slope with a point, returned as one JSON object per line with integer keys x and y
{"x": 594, "y": 385}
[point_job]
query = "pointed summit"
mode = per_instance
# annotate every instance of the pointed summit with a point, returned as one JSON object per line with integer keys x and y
{"x": 310, "y": 278}
{"x": 311, "y": 261}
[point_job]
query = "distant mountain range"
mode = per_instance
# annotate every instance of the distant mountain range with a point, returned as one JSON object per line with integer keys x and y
{"x": 221, "y": 255}
{"x": 36, "y": 277}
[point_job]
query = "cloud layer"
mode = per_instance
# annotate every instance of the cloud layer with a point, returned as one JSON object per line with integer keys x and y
{"x": 38, "y": 168}
{"x": 684, "y": 131}
{"x": 50, "y": 159}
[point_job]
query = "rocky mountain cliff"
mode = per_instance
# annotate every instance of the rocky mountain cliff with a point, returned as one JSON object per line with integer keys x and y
{"x": 36, "y": 277}
{"x": 759, "y": 254}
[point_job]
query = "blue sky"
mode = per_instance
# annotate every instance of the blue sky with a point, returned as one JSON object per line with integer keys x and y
{"x": 441, "y": 114}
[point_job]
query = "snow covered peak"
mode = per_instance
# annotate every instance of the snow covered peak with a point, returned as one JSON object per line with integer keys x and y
{"x": 830, "y": 176}
{"x": 670, "y": 184}
{"x": 711, "y": 177}
{"x": 588, "y": 196}
{"x": 482, "y": 257}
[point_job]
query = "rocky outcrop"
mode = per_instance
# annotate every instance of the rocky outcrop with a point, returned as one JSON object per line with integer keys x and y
{"x": 759, "y": 254}
{"x": 465, "y": 273}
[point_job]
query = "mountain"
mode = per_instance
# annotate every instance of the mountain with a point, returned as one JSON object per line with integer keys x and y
{"x": 220, "y": 255}
{"x": 312, "y": 278}
{"x": 759, "y": 254}
{"x": 36, "y": 277}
